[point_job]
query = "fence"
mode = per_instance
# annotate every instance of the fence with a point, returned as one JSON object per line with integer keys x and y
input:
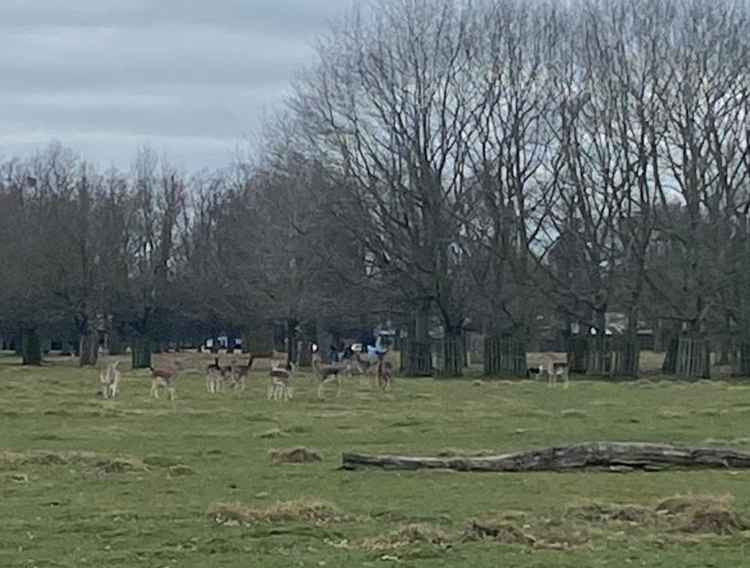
{"x": 446, "y": 357}
{"x": 504, "y": 357}
{"x": 609, "y": 356}
{"x": 740, "y": 359}
{"x": 450, "y": 357}
{"x": 693, "y": 358}
{"x": 416, "y": 358}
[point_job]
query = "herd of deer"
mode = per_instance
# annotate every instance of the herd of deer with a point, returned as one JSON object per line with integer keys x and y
{"x": 221, "y": 377}
{"x": 234, "y": 376}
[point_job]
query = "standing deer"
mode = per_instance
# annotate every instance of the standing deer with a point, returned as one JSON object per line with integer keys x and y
{"x": 165, "y": 378}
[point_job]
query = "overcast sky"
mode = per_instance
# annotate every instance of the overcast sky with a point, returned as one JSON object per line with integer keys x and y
{"x": 191, "y": 78}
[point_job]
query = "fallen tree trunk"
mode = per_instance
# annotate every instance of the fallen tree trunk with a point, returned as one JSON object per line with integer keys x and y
{"x": 613, "y": 456}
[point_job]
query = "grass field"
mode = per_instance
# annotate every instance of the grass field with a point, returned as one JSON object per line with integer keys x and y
{"x": 142, "y": 482}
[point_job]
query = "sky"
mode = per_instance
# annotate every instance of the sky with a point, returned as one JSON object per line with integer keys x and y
{"x": 192, "y": 79}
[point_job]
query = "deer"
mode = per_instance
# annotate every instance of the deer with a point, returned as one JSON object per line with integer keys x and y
{"x": 214, "y": 377}
{"x": 330, "y": 373}
{"x": 556, "y": 368}
{"x": 165, "y": 378}
{"x": 110, "y": 380}
{"x": 385, "y": 373}
{"x": 280, "y": 381}
{"x": 240, "y": 373}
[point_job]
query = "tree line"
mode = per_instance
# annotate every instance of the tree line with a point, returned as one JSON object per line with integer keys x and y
{"x": 489, "y": 165}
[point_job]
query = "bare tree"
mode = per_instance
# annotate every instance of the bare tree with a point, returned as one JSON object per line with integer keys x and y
{"x": 389, "y": 106}
{"x": 508, "y": 160}
{"x": 159, "y": 197}
{"x": 704, "y": 156}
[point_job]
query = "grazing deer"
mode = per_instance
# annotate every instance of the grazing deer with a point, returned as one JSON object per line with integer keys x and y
{"x": 280, "y": 382}
{"x": 329, "y": 373}
{"x": 163, "y": 378}
{"x": 110, "y": 380}
{"x": 226, "y": 375}
{"x": 240, "y": 373}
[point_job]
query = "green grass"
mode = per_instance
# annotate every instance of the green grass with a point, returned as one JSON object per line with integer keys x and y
{"x": 87, "y": 482}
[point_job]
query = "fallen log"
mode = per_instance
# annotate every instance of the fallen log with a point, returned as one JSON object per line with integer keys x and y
{"x": 611, "y": 456}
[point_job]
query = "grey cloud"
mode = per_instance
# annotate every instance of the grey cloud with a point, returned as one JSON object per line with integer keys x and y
{"x": 116, "y": 58}
{"x": 280, "y": 15}
{"x": 192, "y": 77}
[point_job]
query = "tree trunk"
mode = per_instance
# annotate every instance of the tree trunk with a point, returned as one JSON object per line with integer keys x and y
{"x": 659, "y": 337}
{"x": 625, "y": 356}
{"x": 669, "y": 367}
{"x": 693, "y": 358}
{"x": 291, "y": 341}
{"x": 578, "y": 353}
{"x": 88, "y": 347}
{"x": 418, "y": 359}
{"x": 724, "y": 350}
{"x": 230, "y": 344}
{"x": 304, "y": 354}
{"x": 505, "y": 356}
{"x": 116, "y": 345}
{"x": 725, "y": 343}
{"x": 31, "y": 347}
{"x": 741, "y": 362}
{"x": 613, "y": 456}
{"x": 454, "y": 353}
{"x": 141, "y": 352}
{"x": 599, "y": 354}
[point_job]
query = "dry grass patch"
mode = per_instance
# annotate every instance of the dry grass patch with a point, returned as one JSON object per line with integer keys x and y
{"x": 304, "y": 511}
{"x": 503, "y": 532}
{"x": 408, "y": 535}
{"x": 609, "y": 512}
{"x": 682, "y": 504}
{"x": 107, "y": 464}
{"x": 120, "y": 465}
{"x": 181, "y": 470}
{"x": 714, "y": 520}
{"x": 703, "y": 514}
{"x": 18, "y": 477}
{"x": 695, "y": 514}
{"x": 160, "y": 461}
{"x": 296, "y": 455}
